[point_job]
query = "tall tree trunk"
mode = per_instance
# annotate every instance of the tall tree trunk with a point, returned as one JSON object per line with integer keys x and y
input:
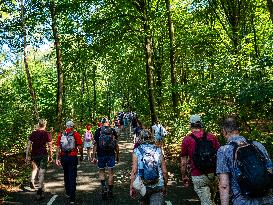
{"x": 158, "y": 58}
{"x": 175, "y": 95}
{"x": 270, "y": 8}
{"x": 60, "y": 92}
{"x": 149, "y": 61}
{"x": 94, "y": 91}
{"x": 29, "y": 80}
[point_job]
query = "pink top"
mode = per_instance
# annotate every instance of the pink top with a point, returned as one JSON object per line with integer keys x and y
{"x": 188, "y": 147}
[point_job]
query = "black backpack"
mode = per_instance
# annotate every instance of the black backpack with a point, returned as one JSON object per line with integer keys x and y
{"x": 106, "y": 139}
{"x": 204, "y": 156}
{"x": 250, "y": 169}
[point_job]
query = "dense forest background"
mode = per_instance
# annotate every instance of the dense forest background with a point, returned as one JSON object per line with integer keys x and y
{"x": 84, "y": 59}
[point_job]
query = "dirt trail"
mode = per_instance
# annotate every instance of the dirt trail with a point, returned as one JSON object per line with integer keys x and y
{"x": 88, "y": 185}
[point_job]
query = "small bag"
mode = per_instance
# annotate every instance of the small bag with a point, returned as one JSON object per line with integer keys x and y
{"x": 139, "y": 186}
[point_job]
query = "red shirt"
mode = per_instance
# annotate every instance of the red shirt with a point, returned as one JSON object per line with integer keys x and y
{"x": 78, "y": 141}
{"x": 188, "y": 148}
{"x": 39, "y": 139}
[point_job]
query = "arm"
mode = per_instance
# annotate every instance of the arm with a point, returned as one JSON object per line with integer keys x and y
{"x": 165, "y": 172}
{"x": 50, "y": 151}
{"x": 224, "y": 188}
{"x": 183, "y": 169}
{"x": 80, "y": 148}
{"x": 27, "y": 151}
{"x": 133, "y": 192}
{"x": 117, "y": 152}
{"x": 58, "y": 151}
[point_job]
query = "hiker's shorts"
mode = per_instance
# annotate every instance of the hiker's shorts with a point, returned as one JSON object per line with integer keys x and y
{"x": 153, "y": 197}
{"x": 40, "y": 161}
{"x": 106, "y": 161}
{"x": 205, "y": 187}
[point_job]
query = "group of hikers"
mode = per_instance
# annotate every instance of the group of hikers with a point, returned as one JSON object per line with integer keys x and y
{"x": 240, "y": 171}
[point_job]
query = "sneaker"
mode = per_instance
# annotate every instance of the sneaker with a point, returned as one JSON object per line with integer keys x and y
{"x": 40, "y": 194}
{"x": 67, "y": 196}
{"x": 72, "y": 202}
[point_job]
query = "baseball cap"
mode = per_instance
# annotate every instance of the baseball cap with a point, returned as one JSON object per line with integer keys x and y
{"x": 104, "y": 120}
{"x": 195, "y": 118}
{"x": 69, "y": 123}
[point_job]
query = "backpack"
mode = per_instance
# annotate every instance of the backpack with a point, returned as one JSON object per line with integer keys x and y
{"x": 159, "y": 135}
{"x": 88, "y": 136}
{"x": 149, "y": 173}
{"x": 204, "y": 156}
{"x": 106, "y": 139}
{"x": 250, "y": 169}
{"x": 68, "y": 141}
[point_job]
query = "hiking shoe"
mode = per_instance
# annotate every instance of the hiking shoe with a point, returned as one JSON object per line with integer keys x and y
{"x": 104, "y": 193}
{"x": 40, "y": 194}
{"x": 110, "y": 194}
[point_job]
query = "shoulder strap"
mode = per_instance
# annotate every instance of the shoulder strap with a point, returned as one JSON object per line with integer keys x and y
{"x": 195, "y": 138}
{"x": 204, "y": 136}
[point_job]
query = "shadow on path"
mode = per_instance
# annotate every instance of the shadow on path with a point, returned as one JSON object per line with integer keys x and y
{"x": 88, "y": 185}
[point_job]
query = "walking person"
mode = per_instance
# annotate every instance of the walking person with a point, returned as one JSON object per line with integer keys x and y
{"x": 106, "y": 154}
{"x": 244, "y": 169}
{"x": 158, "y": 131}
{"x": 198, "y": 150}
{"x": 88, "y": 141}
{"x": 69, "y": 142}
{"x": 38, "y": 142}
{"x": 149, "y": 174}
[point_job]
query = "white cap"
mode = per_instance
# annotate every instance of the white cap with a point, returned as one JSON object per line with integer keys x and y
{"x": 69, "y": 123}
{"x": 195, "y": 118}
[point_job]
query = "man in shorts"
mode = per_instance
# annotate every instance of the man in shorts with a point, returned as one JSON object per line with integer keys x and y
{"x": 106, "y": 156}
{"x": 38, "y": 141}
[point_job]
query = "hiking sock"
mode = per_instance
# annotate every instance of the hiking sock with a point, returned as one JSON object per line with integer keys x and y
{"x": 110, "y": 191}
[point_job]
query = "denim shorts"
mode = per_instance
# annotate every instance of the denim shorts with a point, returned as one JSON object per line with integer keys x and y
{"x": 106, "y": 161}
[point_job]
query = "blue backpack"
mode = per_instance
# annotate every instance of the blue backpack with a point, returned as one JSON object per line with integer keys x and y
{"x": 149, "y": 173}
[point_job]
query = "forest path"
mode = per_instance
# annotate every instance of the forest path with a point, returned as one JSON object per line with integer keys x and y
{"x": 88, "y": 185}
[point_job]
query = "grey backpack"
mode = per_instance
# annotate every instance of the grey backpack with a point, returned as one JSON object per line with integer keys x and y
{"x": 68, "y": 141}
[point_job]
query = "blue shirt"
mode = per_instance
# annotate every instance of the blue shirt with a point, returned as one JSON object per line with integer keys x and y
{"x": 158, "y": 158}
{"x": 225, "y": 165}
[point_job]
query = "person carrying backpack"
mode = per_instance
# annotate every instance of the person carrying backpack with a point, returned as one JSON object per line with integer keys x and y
{"x": 106, "y": 154}
{"x": 244, "y": 169}
{"x": 68, "y": 143}
{"x": 39, "y": 139}
{"x": 149, "y": 174}
{"x": 198, "y": 151}
{"x": 88, "y": 141}
{"x": 159, "y": 132}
